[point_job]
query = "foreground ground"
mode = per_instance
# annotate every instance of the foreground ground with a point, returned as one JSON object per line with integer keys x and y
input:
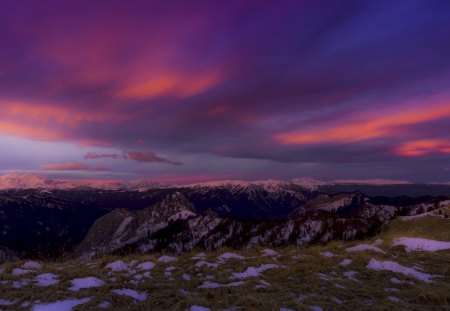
{"x": 362, "y": 275}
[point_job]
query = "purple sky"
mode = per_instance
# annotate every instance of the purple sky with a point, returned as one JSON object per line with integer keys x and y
{"x": 204, "y": 90}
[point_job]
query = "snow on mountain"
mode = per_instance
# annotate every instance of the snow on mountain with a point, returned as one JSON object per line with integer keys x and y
{"x": 35, "y": 181}
{"x": 373, "y": 182}
{"x": 24, "y": 181}
{"x": 308, "y": 183}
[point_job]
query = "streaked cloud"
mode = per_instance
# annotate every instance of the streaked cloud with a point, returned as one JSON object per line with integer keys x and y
{"x": 70, "y": 166}
{"x": 291, "y": 88}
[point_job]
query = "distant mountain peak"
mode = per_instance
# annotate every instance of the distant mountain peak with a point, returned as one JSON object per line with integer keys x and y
{"x": 24, "y": 181}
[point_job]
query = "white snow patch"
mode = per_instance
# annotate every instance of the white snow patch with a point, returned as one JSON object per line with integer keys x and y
{"x": 226, "y": 256}
{"x": 397, "y": 268}
{"x": 184, "y": 214}
{"x": 414, "y": 244}
{"x": 262, "y": 284}
{"x": 186, "y": 277}
{"x": 395, "y": 280}
{"x": 46, "y": 279}
{"x": 117, "y": 265}
{"x": 104, "y": 304}
{"x": 19, "y": 284}
{"x": 418, "y": 216}
{"x": 327, "y": 254}
{"x": 217, "y": 285}
{"x": 31, "y": 265}
{"x": 166, "y": 259}
{"x": 394, "y": 299}
{"x": 199, "y": 308}
{"x": 60, "y": 305}
{"x": 5, "y": 302}
{"x": 201, "y": 256}
{"x": 364, "y": 247}
{"x": 146, "y": 265}
{"x": 208, "y": 264}
{"x": 350, "y": 274}
{"x": 87, "y": 282}
{"x": 130, "y": 293}
{"x": 345, "y": 262}
{"x": 270, "y": 252}
{"x": 253, "y": 272}
{"x": 19, "y": 271}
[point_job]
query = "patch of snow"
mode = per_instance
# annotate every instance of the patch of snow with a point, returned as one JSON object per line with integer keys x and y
{"x": 444, "y": 203}
{"x": 185, "y": 292}
{"x": 374, "y": 182}
{"x": 208, "y": 264}
{"x": 254, "y": 272}
{"x": 308, "y": 183}
{"x": 117, "y": 265}
{"x": 199, "y": 308}
{"x": 394, "y": 299}
{"x": 217, "y": 285}
{"x": 87, "y": 282}
{"x": 5, "y": 302}
{"x": 350, "y": 274}
{"x": 324, "y": 277}
{"x": 262, "y": 284}
{"x": 19, "y": 271}
{"x": 418, "y": 216}
{"x": 226, "y": 256}
{"x": 397, "y": 268}
{"x": 345, "y": 262}
{"x": 378, "y": 242}
{"x": 131, "y": 293}
{"x": 46, "y": 279}
{"x": 184, "y": 214}
{"x": 186, "y": 277}
{"x": 60, "y": 305}
{"x": 31, "y": 265}
{"x": 201, "y": 256}
{"x": 364, "y": 247}
{"x": 104, "y": 304}
{"x": 327, "y": 254}
{"x": 146, "y": 265}
{"x": 123, "y": 225}
{"x": 395, "y": 280}
{"x": 25, "y": 304}
{"x": 415, "y": 244}
{"x": 270, "y": 252}
{"x": 166, "y": 259}
{"x": 19, "y": 284}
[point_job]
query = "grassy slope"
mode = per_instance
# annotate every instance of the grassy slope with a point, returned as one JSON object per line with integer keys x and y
{"x": 297, "y": 285}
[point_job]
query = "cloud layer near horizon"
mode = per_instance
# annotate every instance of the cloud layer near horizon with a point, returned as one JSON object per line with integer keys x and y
{"x": 245, "y": 88}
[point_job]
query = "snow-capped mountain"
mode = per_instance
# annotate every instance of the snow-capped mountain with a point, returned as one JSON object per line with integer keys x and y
{"x": 175, "y": 224}
{"x": 24, "y": 181}
{"x": 35, "y": 181}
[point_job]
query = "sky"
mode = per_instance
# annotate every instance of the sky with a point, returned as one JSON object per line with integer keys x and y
{"x": 190, "y": 91}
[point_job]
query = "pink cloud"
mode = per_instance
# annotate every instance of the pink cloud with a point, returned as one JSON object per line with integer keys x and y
{"x": 93, "y": 155}
{"x": 147, "y": 156}
{"x": 70, "y": 166}
{"x": 138, "y": 156}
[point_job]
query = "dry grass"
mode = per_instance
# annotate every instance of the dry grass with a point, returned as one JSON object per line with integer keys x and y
{"x": 305, "y": 278}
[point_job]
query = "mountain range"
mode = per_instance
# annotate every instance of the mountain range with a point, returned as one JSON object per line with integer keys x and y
{"x": 42, "y": 217}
